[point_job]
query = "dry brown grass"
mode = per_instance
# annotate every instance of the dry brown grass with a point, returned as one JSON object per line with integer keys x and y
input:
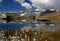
{"x": 54, "y": 17}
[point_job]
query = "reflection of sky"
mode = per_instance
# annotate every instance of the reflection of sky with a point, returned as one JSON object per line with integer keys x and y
{"x": 22, "y": 25}
{"x": 11, "y": 25}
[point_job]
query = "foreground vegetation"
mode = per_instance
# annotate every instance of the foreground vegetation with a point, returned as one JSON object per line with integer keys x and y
{"x": 30, "y": 35}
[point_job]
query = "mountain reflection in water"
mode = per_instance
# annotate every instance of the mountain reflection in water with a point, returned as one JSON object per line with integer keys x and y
{"x": 33, "y": 24}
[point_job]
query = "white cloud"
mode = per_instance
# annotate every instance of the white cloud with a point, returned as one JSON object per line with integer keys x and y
{"x": 46, "y": 4}
{"x": 24, "y": 4}
{"x": 0, "y": 0}
{"x": 41, "y": 4}
{"x": 27, "y": 5}
{"x": 38, "y": 9}
{"x": 20, "y": 1}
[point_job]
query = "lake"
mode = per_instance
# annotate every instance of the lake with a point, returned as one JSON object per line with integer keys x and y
{"x": 15, "y": 25}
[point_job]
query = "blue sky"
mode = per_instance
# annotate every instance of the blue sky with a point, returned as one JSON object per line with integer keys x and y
{"x": 18, "y": 5}
{"x": 11, "y": 5}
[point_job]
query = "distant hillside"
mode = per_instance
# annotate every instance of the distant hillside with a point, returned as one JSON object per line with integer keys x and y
{"x": 54, "y": 17}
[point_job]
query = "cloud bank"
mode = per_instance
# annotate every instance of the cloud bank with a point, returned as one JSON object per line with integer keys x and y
{"x": 46, "y": 4}
{"x": 41, "y": 4}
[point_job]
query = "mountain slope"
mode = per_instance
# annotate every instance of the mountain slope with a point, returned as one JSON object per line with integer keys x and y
{"x": 53, "y": 17}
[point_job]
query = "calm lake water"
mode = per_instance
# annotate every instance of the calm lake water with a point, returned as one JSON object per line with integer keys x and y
{"x": 16, "y": 25}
